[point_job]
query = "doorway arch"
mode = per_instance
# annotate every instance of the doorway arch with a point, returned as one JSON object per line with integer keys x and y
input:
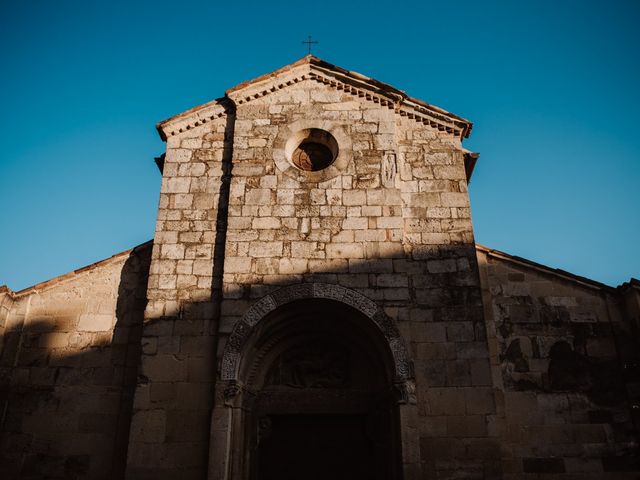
{"x": 403, "y": 370}
{"x": 309, "y": 367}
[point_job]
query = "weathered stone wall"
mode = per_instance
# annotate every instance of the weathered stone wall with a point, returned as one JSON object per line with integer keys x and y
{"x": 558, "y": 352}
{"x": 544, "y": 387}
{"x": 68, "y": 367}
{"x": 391, "y": 222}
{"x": 6, "y": 301}
{"x": 173, "y": 402}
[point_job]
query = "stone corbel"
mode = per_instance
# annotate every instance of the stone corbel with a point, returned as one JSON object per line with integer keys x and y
{"x": 234, "y": 394}
{"x": 405, "y": 392}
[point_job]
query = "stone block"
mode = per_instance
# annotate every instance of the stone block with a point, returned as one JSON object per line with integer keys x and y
{"x": 442, "y": 449}
{"x": 391, "y": 280}
{"x": 265, "y": 223}
{"x": 390, "y": 222}
{"x": 97, "y": 423}
{"x": 460, "y": 332}
{"x": 265, "y": 249}
{"x": 172, "y": 251}
{"x": 354, "y": 197}
{"x": 164, "y": 368}
{"x": 479, "y": 401}
{"x": 445, "y": 401}
{"x": 480, "y": 372}
{"x": 442, "y": 266}
{"x": 458, "y": 373}
{"x": 547, "y": 465}
{"x": 177, "y": 185}
{"x": 345, "y": 250}
{"x": 237, "y": 265}
{"x": 292, "y": 265}
{"x": 95, "y": 323}
{"x": 428, "y": 332}
{"x": 329, "y": 266}
{"x": 466, "y": 426}
{"x": 307, "y": 250}
{"x": 453, "y": 199}
{"x": 148, "y": 426}
{"x": 355, "y": 223}
{"x": 258, "y": 196}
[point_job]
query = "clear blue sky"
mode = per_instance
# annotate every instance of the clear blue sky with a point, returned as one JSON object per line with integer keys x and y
{"x": 553, "y": 89}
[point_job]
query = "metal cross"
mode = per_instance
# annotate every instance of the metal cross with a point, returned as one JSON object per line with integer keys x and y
{"x": 309, "y": 42}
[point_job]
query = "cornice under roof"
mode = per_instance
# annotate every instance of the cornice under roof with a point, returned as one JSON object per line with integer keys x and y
{"x": 313, "y": 68}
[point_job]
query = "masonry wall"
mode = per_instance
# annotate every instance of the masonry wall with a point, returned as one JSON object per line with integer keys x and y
{"x": 516, "y": 370}
{"x": 68, "y": 365}
{"x": 560, "y": 347}
{"x": 407, "y": 245}
{"x": 174, "y": 397}
{"x": 398, "y": 233}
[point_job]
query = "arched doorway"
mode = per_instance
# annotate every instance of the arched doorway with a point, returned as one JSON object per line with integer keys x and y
{"x": 318, "y": 399}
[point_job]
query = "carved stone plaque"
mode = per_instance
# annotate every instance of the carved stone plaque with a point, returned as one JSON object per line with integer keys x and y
{"x": 315, "y": 365}
{"x": 389, "y": 169}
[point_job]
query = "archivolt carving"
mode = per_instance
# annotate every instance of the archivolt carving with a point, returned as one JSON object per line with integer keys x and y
{"x": 243, "y": 328}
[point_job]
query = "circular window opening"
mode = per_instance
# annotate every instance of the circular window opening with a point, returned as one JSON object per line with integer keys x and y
{"x": 312, "y": 149}
{"x": 312, "y": 156}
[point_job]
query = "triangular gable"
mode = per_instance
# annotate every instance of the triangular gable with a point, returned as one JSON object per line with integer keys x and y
{"x": 313, "y": 68}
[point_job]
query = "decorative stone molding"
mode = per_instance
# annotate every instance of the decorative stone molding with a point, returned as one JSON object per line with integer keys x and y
{"x": 344, "y": 155}
{"x": 243, "y": 329}
{"x": 193, "y": 118}
{"x": 312, "y": 68}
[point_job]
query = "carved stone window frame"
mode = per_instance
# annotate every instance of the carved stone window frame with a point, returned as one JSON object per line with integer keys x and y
{"x": 339, "y": 165}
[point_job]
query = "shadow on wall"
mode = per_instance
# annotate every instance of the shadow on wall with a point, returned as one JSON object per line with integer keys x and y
{"x": 67, "y": 412}
{"x": 66, "y": 396}
{"x": 67, "y": 399}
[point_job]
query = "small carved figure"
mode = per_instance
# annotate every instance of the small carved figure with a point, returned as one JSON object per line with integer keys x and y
{"x": 389, "y": 168}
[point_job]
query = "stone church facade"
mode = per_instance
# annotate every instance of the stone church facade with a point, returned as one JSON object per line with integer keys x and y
{"x": 314, "y": 305}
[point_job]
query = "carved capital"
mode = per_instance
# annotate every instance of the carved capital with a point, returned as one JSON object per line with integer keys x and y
{"x": 405, "y": 392}
{"x": 232, "y": 394}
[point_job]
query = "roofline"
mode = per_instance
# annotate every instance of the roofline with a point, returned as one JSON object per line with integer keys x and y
{"x": 218, "y": 108}
{"x": 632, "y": 283}
{"x": 38, "y": 287}
{"x": 584, "y": 281}
{"x": 402, "y": 103}
{"x": 313, "y": 60}
{"x": 267, "y": 76}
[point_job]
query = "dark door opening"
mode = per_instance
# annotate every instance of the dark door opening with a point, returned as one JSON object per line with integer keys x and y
{"x": 320, "y": 403}
{"x": 314, "y": 447}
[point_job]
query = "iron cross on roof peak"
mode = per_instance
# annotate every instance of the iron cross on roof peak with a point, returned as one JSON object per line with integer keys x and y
{"x": 309, "y": 42}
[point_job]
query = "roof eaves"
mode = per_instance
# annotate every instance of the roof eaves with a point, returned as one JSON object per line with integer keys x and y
{"x": 270, "y": 76}
{"x": 448, "y": 121}
{"x": 324, "y": 72}
{"x": 184, "y": 121}
{"x": 584, "y": 281}
{"x": 38, "y": 287}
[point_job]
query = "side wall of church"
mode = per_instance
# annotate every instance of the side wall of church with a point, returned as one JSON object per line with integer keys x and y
{"x": 68, "y": 365}
{"x": 559, "y": 347}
